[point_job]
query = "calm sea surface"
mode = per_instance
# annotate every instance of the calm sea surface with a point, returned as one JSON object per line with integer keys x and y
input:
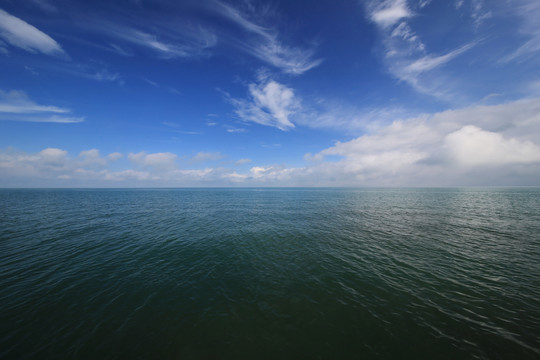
{"x": 270, "y": 274}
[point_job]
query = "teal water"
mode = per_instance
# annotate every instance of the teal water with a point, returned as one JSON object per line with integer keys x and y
{"x": 270, "y": 274}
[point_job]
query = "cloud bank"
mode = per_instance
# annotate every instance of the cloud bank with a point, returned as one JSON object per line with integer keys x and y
{"x": 478, "y": 145}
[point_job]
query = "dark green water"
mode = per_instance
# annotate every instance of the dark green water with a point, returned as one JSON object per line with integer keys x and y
{"x": 270, "y": 274}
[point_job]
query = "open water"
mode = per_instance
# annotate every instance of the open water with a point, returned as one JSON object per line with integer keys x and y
{"x": 270, "y": 274}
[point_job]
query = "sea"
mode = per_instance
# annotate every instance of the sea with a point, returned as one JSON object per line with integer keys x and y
{"x": 270, "y": 273}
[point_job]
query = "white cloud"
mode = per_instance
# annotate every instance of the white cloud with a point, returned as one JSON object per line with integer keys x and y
{"x": 44, "y": 5}
{"x": 17, "y": 102}
{"x": 20, "y": 34}
{"x": 243, "y": 161}
{"x": 446, "y": 148}
{"x": 477, "y": 145}
{"x": 91, "y": 158}
{"x": 128, "y": 175}
{"x": 290, "y": 60}
{"x": 236, "y": 130}
{"x": 335, "y": 114}
{"x": 423, "y": 3}
{"x": 92, "y": 153}
{"x": 270, "y": 104}
{"x": 104, "y": 75}
{"x": 472, "y": 146}
{"x": 405, "y": 54}
{"x": 404, "y": 32}
{"x": 53, "y": 157}
{"x": 43, "y": 119}
{"x": 152, "y": 42}
{"x": 164, "y": 160}
{"x": 479, "y": 14}
{"x": 93, "y": 71}
{"x": 235, "y": 15}
{"x": 266, "y": 46}
{"x": 206, "y": 156}
{"x": 177, "y": 42}
{"x": 115, "y": 156}
{"x": 429, "y": 62}
{"x": 389, "y": 12}
{"x": 54, "y": 167}
{"x": 17, "y": 106}
{"x": 259, "y": 171}
{"x": 529, "y": 12}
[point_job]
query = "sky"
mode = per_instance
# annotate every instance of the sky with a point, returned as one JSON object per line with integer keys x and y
{"x": 163, "y": 93}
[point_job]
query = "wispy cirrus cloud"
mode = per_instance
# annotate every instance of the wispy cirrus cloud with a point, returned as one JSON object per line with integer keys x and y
{"x": 17, "y": 106}
{"x": 271, "y": 103}
{"x": 529, "y": 13}
{"x": 266, "y": 44}
{"x": 479, "y": 13}
{"x": 21, "y": 34}
{"x": 389, "y": 12}
{"x": 163, "y": 39}
{"x": 92, "y": 71}
{"x": 429, "y": 62}
{"x": 405, "y": 54}
{"x": 171, "y": 46}
{"x": 44, "y": 5}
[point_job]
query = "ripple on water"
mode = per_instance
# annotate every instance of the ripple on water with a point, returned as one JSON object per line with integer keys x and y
{"x": 275, "y": 273}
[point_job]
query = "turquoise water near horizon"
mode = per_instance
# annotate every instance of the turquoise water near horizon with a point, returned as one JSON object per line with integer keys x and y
{"x": 270, "y": 273}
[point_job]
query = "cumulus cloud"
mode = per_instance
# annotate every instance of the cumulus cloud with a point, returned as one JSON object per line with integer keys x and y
{"x": 477, "y": 145}
{"x": 157, "y": 160}
{"x": 55, "y": 167}
{"x": 270, "y": 103}
{"x": 52, "y": 163}
{"x": 206, "y": 156}
{"x": 243, "y": 161}
{"x": 115, "y": 156}
{"x": 128, "y": 175}
{"x": 19, "y": 33}
{"x": 91, "y": 158}
{"x": 443, "y": 148}
{"x": 52, "y": 157}
{"x": 472, "y": 146}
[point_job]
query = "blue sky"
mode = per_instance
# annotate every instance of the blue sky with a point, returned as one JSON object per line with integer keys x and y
{"x": 135, "y": 93}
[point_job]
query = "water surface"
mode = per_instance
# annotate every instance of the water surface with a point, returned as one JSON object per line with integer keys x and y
{"x": 270, "y": 273}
